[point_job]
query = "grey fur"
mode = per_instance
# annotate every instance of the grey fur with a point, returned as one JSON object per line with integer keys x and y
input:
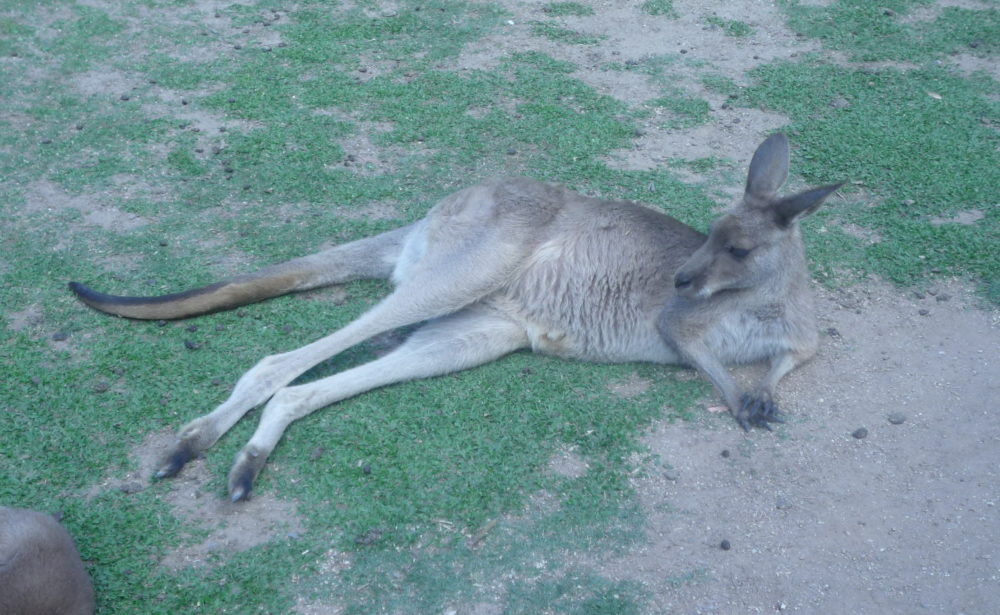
{"x": 40, "y": 569}
{"x": 517, "y": 263}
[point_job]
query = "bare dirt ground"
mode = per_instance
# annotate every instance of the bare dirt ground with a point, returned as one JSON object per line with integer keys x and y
{"x": 818, "y": 517}
{"x": 901, "y": 517}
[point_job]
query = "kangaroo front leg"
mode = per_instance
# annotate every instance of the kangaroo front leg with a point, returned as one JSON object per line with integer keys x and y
{"x": 748, "y": 410}
{"x": 469, "y": 338}
{"x": 760, "y": 407}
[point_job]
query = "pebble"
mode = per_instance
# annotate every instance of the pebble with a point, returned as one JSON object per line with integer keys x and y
{"x": 130, "y": 488}
{"x": 923, "y": 312}
{"x": 102, "y": 386}
{"x": 860, "y": 433}
{"x": 943, "y": 297}
{"x": 191, "y": 345}
{"x": 896, "y": 418}
{"x": 60, "y": 336}
{"x": 725, "y": 452}
{"x": 725, "y": 546}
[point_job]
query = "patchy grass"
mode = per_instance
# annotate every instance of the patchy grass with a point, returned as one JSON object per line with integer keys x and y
{"x": 732, "y": 27}
{"x": 664, "y": 8}
{"x": 567, "y": 9}
{"x": 152, "y": 146}
{"x": 560, "y": 34}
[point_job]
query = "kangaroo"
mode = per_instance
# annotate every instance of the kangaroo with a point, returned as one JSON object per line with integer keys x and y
{"x": 514, "y": 264}
{"x": 40, "y": 569}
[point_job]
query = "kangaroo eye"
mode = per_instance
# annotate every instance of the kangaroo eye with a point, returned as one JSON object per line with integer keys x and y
{"x": 737, "y": 253}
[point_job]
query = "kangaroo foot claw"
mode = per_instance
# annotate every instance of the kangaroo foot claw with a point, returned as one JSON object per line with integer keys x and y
{"x": 183, "y": 452}
{"x": 246, "y": 468}
{"x": 755, "y": 411}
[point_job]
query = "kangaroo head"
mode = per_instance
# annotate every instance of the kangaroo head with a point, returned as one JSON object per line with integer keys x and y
{"x": 758, "y": 240}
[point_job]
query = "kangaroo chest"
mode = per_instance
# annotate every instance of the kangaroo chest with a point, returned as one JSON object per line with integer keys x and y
{"x": 748, "y": 335}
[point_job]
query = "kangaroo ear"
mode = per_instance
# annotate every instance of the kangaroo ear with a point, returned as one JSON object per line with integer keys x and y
{"x": 802, "y": 204}
{"x": 768, "y": 168}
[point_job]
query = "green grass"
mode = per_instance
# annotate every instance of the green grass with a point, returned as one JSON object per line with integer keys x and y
{"x": 663, "y": 8}
{"x": 567, "y": 9}
{"x": 560, "y": 34}
{"x": 732, "y": 27}
{"x": 256, "y": 168}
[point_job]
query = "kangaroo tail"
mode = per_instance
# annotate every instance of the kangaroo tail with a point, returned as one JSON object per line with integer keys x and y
{"x": 237, "y": 291}
{"x": 371, "y": 257}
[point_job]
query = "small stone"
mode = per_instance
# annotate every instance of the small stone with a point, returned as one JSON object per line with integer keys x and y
{"x": 918, "y": 295}
{"x": 124, "y": 97}
{"x": 860, "y": 433}
{"x": 102, "y": 386}
{"x": 161, "y": 323}
{"x": 367, "y": 469}
{"x": 725, "y": 546}
{"x": 191, "y": 328}
{"x": 782, "y": 503}
{"x": 943, "y": 297}
{"x": 923, "y": 312}
{"x": 888, "y": 12}
{"x": 671, "y": 474}
{"x": 130, "y": 488}
{"x": 896, "y": 418}
{"x": 191, "y": 345}
{"x": 60, "y": 336}
{"x": 725, "y": 452}
{"x": 370, "y": 537}
{"x": 833, "y": 332}
{"x": 316, "y": 453}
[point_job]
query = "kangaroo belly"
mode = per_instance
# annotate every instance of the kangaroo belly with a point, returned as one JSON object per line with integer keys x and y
{"x": 576, "y": 303}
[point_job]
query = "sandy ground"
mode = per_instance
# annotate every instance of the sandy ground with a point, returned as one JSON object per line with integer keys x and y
{"x": 817, "y": 520}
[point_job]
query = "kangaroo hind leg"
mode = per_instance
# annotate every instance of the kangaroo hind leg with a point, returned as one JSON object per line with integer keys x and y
{"x": 471, "y": 337}
{"x": 440, "y": 280}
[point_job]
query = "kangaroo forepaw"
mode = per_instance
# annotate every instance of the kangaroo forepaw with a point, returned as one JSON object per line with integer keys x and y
{"x": 183, "y": 452}
{"x": 757, "y": 411}
{"x": 248, "y": 465}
